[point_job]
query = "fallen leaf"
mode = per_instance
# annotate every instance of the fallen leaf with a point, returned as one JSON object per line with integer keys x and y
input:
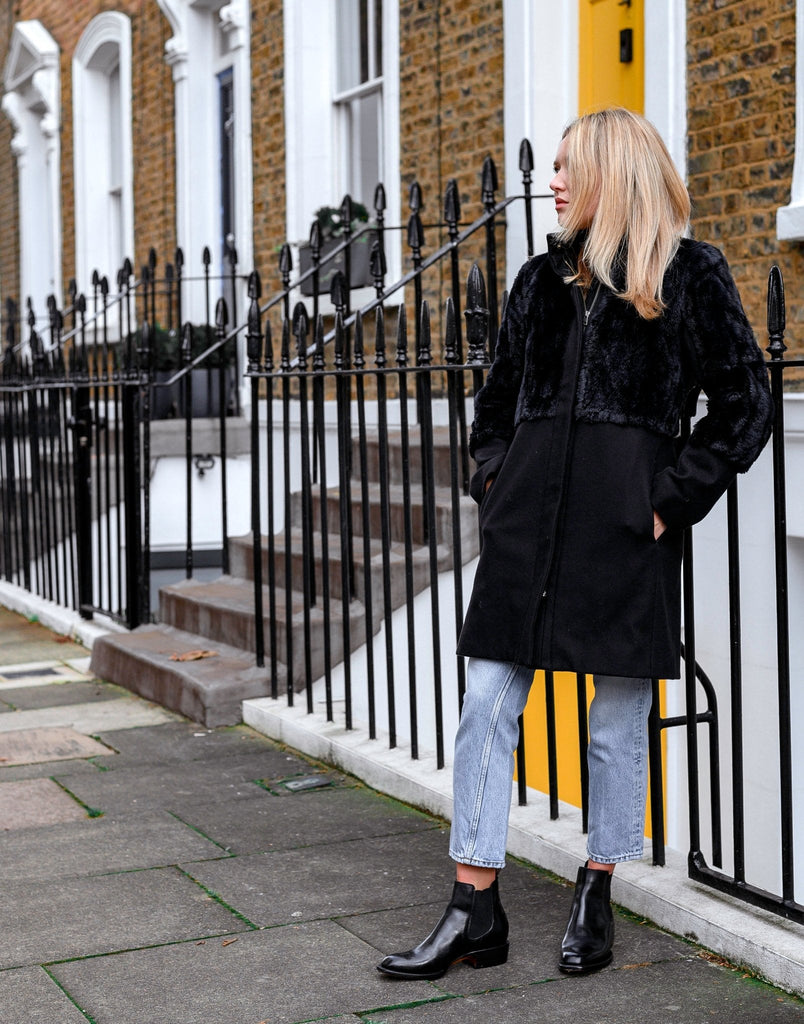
{"x": 228, "y": 942}
{"x": 203, "y": 942}
{"x": 193, "y": 655}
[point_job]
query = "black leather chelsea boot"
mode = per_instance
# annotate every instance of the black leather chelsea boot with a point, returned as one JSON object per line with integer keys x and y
{"x": 590, "y": 933}
{"x": 473, "y": 928}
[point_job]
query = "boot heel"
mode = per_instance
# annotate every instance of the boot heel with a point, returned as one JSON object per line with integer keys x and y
{"x": 488, "y": 957}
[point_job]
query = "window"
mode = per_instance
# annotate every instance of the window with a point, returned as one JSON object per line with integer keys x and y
{"x": 104, "y": 203}
{"x": 358, "y": 96}
{"x": 342, "y": 110}
{"x": 228, "y": 181}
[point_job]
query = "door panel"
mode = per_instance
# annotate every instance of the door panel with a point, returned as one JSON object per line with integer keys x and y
{"x": 611, "y": 55}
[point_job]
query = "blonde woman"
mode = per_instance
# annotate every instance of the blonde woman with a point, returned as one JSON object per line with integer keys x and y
{"x": 584, "y": 494}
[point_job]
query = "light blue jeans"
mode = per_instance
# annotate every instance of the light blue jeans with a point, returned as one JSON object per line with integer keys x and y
{"x": 496, "y": 694}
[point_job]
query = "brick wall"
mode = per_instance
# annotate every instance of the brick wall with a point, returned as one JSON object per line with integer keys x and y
{"x": 9, "y": 213}
{"x": 268, "y": 135}
{"x": 741, "y": 121}
{"x": 152, "y": 128}
{"x": 451, "y": 110}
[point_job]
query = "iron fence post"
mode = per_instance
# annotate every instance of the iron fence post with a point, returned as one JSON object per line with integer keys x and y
{"x": 132, "y": 498}
{"x": 82, "y": 469}
{"x": 777, "y": 348}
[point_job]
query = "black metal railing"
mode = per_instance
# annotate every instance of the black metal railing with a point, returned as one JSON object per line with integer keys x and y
{"x": 124, "y": 357}
{"x": 361, "y": 520}
{"x": 359, "y": 542}
{"x": 736, "y": 883}
{"x": 362, "y": 526}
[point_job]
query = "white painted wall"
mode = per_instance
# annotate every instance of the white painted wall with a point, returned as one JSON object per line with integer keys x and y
{"x": 169, "y": 503}
{"x": 541, "y": 96}
{"x": 790, "y": 218}
{"x": 31, "y": 103}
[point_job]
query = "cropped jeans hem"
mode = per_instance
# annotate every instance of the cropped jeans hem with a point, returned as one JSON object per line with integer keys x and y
{"x": 496, "y": 694}
{"x": 475, "y": 862}
{"x": 624, "y": 858}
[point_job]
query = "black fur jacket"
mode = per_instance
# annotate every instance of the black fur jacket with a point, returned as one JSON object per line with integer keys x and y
{"x": 577, "y": 425}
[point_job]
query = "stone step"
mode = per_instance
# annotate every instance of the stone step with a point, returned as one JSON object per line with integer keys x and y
{"x": 209, "y": 690}
{"x": 222, "y": 611}
{"x": 443, "y": 457}
{"x": 241, "y": 564}
{"x": 467, "y": 512}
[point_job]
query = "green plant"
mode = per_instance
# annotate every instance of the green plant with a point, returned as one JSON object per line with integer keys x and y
{"x": 166, "y": 347}
{"x": 330, "y": 219}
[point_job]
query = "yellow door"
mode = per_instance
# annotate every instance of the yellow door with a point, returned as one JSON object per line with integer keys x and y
{"x": 611, "y": 55}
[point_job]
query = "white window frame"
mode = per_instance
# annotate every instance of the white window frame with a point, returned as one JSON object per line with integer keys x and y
{"x": 314, "y": 166}
{"x": 93, "y": 162}
{"x": 31, "y": 102}
{"x": 342, "y": 100}
{"x": 790, "y": 218}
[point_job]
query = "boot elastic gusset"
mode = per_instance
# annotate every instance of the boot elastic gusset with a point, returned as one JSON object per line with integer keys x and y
{"x": 473, "y": 929}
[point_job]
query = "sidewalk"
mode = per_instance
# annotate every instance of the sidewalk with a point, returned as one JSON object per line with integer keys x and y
{"x": 155, "y": 872}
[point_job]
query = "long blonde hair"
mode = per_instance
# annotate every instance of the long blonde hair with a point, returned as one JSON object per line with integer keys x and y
{"x": 617, "y": 159}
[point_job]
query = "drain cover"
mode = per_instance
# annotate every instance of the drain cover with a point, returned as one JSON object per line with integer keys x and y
{"x": 308, "y": 782}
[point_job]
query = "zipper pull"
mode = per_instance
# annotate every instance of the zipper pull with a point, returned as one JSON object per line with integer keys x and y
{"x": 586, "y": 317}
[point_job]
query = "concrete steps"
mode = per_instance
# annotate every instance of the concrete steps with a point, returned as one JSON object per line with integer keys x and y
{"x": 242, "y": 564}
{"x": 220, "y": 615}
{"x": 222, "y": 611}
{"x": 209, "y": 690}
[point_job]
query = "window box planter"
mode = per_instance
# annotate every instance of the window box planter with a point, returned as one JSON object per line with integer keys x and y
{"x": 360, "y": 270}
{"x": 169, "y": 402}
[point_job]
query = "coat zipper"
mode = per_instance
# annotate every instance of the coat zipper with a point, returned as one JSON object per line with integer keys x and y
{"x": 582, "y": 321}
{"x": 588, "y": 312}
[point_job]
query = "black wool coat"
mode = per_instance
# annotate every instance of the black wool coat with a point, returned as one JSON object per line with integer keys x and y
{"x": 577, "y": 424}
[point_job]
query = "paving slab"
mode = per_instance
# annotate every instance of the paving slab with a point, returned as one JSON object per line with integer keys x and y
{"x": 34, "y": 802}
{"x": 188, "y": 741}
{"x": 281, "y": 975}
{"x": 45, "y": 769}
{"x": 26, "y": 698}
{"x": 90, "y": 718}
{"x": 75, "y": 917}
{"x": 23, "y": 640}
{"x": 29, "y": 996}
{"x": 320, "y": 816}
{"x": 100, "y": 845}
{"x": 58, "y": 743}
{"x": 349, "y": 878}
{"x": 683, "y": 992}
{"x": 173, "y": 787}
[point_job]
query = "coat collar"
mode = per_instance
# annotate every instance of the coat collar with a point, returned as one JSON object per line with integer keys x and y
{"x": 564, "y": 257}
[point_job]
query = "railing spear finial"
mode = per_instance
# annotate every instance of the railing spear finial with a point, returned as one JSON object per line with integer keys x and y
{"x": 776, "y": 314}
{"x": 477, "y": 316}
